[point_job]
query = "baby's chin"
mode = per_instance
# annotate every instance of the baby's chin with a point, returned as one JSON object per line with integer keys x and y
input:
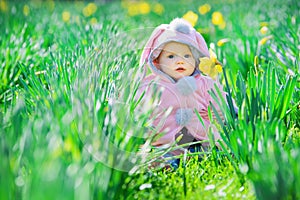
{"x": 177, "y": 78}
{"x": 180, "y": 76}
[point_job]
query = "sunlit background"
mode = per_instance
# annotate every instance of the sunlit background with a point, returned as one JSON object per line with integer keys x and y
{"x": 69, "y": 71}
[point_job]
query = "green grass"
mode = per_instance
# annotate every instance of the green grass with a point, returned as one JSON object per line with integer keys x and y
{"x": 68, "y": 126}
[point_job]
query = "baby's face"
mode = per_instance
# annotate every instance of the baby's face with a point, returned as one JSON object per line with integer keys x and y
{"x": 176, "y": 60}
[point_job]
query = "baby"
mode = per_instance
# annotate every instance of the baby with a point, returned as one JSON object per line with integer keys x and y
{"x": 173, "y": 53}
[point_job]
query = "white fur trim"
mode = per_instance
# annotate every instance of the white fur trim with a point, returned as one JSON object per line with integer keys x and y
{"x": 186, "y": 85}
{"x": 183, "y": 116}
{"x": 180, "y": 25}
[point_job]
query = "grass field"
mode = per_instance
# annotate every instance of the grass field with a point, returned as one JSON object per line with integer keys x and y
{"x": 68, "y": 75}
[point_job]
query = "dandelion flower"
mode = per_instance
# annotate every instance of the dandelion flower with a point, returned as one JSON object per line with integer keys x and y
{"x": 217, "y": 18}
{"x": 26, "y": 10}
{"x": 158, "y": 8}
{"x": 50, "y": 5}
{"x": 133, "y": 9}
{"x": 90, "y": 9}
{"x": 263, "y": 24}
{"x": 3, "y": 6}
{"x": 204, "y": 9}
{"x": 203, "y": 30}
{"x": 144, "y": 8}
{"x": 93, "y": 21}
{"x": 66, "y": 16}
{"x": 191, "y": 17}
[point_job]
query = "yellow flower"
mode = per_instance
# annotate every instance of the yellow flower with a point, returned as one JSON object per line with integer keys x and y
{"x": 158, "y": 8}
{"x": 93, "y": 21}
{"x": 263, "y": 30}
{"x": 218, "y": 68}
{"x": 217, "y": 18}
{"x": 26, "y": 10}
{"x": 66, "y": 16}
{"x": 191, "y": 17}
{"x": 264, "y": 40}
{"x": 133, "y": 9}
{"x": 210, "y": 66}
{"x": 222, "y": 41}
{"x": 136, "y": 7}
{"x": 90, "y": 9}
{"x": 144, "y": 8}
{"x": 263, "y": 23}
{"x": 203, "y": 30}
{"x": 50, "y": 5}
{"x": 3, "y": 6}
{"x": 204, "y": 9}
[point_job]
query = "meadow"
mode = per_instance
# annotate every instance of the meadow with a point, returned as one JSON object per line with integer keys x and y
{"x": 68, "y": 76}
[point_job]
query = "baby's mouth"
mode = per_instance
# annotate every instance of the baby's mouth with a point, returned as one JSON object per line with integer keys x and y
{"x": 180, "y": 69}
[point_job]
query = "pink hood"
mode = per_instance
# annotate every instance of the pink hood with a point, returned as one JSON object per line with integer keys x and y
{"x": 180, "y": 31}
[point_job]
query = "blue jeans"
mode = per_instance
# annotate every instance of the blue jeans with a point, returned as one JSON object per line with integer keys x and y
{"x": 174, "y": 163}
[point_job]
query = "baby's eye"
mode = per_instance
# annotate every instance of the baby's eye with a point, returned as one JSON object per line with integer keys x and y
{"x": 187, "y": 56}
{"x": 170, "y": 56}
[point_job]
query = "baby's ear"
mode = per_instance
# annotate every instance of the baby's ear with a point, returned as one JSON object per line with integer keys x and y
{"x": 156, "y": 63}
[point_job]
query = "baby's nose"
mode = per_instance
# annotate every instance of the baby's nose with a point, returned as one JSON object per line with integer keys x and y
{"x": 180, "y": 60}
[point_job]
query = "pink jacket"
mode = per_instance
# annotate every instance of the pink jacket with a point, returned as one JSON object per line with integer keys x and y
{"x": 179, "y": 101}
{"x": 182, "y": 100}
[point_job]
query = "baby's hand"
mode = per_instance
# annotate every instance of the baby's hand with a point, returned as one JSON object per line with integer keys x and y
{"x": 210, "y": 66}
